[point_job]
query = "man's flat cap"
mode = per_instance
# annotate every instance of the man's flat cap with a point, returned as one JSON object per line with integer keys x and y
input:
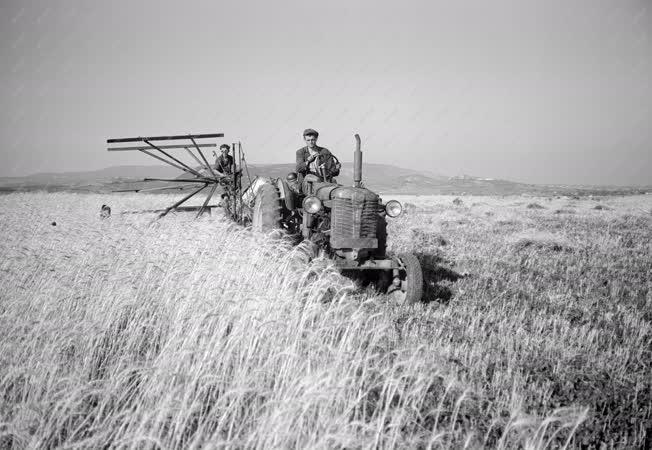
{"x": 224, "y": 146}
{"x": 310, "y": 132}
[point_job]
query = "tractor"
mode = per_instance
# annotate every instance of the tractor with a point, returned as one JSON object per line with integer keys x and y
{"x": 347, "y": 224}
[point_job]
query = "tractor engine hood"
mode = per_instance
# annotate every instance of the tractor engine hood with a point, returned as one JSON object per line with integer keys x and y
{"x": 356, "y": 194}
{"x": 330, "y": 191}
{"x": 354, "y": 218}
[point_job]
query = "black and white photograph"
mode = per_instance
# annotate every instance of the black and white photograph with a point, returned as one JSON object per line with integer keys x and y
{"x": 351, "y": 224}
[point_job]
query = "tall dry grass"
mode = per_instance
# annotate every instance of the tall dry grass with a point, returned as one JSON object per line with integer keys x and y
{"x": 186, "y": 334}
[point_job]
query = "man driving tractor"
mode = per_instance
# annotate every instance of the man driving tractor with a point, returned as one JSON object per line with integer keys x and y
{"x": 315, "y": 160}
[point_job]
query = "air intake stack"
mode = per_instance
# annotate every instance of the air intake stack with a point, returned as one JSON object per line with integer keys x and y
{"x": 357, "y": 163}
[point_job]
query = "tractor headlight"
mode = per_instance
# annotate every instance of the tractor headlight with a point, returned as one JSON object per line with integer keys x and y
{"x": 312, "y": 205}
{"x": 393, "y": 208}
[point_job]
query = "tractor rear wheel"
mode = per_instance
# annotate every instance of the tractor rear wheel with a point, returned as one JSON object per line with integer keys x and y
{"x": 411, "y": 289}
{"x": 267, "y": 209}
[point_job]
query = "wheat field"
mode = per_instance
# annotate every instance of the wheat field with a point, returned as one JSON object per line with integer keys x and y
{"x": 535, "y": 330}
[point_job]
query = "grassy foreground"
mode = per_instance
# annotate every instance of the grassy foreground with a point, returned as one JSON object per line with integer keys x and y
{"x": 535, "y": 331}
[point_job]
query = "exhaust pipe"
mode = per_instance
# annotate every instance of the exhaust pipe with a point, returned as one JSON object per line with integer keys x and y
{"x": 357, "y": 163}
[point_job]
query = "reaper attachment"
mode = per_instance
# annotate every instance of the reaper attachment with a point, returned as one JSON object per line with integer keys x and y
{"x": 199, "y": 174}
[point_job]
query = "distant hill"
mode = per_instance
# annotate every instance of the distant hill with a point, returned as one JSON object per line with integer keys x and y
{"x": 384, "y": 178}
{"x": 381, "y": 178}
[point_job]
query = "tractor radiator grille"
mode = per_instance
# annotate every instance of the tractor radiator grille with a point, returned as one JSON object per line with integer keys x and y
{"x": 353, "y": 223}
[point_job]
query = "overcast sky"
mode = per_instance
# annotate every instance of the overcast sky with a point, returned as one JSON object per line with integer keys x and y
{"x": 542, "y": 91}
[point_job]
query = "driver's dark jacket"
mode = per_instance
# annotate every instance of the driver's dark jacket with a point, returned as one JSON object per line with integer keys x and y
{"x": 325, "y": 157}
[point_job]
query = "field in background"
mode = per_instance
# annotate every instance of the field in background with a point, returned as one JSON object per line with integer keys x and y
{"x": 535, "y": 331}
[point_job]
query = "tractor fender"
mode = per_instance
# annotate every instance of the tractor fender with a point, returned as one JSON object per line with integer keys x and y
{"x": 288, "y": 196}
{"x": 249, "y": 194}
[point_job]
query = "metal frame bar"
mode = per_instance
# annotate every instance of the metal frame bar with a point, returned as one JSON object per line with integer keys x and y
{"x": 123, "y": 149}
{"x": 244, "y": 161}
{"x": 201, "y": 164}
{"x": 208, "y": 197}
{"x": 239, "y": 180}
{"x": 164, "y": 160}
{"x": 165, "y": 138}
{"x": 378, "y": 264}
{"x": 189, "y": 169}
{"x": 235, "y": 182}
{"x": 183, "y": 200}
{"x": 204, "y": 158}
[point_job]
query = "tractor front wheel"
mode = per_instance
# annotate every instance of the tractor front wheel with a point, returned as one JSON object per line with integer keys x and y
{"x": 410, "y": 290}
{"x": 267, "y": 209}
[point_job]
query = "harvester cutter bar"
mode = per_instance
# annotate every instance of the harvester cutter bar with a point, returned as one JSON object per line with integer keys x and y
{"x": 179, "y": 208}
{"x": 182, "y": 180}
{"x": 162, "y": 188}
